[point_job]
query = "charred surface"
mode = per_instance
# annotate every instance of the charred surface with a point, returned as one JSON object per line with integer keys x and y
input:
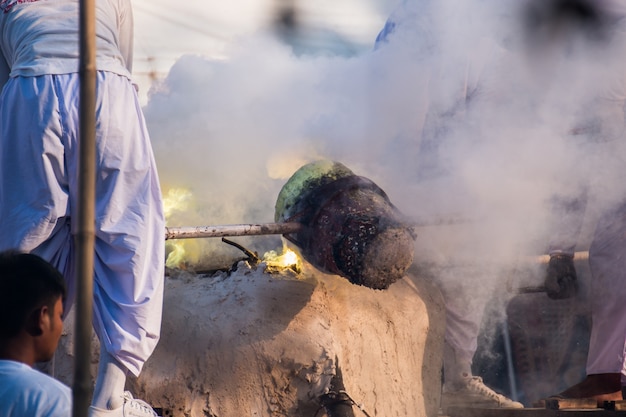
{"x": 353, "y": 230}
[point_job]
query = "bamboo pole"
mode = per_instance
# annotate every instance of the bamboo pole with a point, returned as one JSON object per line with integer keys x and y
{"x": 84, "y": 236}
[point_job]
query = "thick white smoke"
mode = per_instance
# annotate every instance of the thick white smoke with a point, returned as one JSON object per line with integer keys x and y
{"x": 482, "y": 110}
{"x": 470, "y": 112}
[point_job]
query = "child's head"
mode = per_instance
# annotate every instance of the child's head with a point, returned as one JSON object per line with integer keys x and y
{"x": 31, "y": 301}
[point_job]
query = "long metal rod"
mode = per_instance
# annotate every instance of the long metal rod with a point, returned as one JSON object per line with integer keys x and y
{"x": 231, "y": 230}
{"x": 84, "y": 236}
{"x": 508, "y": 351}
{"x": 578, "y": 256}
{"x": 191, "y": 232}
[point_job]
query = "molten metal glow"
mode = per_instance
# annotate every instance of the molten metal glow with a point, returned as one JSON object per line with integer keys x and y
{"x": 287, "y": 260}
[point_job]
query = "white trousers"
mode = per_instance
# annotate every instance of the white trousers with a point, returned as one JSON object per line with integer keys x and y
{"x": 466, "y": 291}
{"x": 38, "y": 201}
{"x": 607, "y": 261}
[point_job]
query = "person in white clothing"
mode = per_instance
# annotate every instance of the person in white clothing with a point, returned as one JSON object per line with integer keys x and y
{"x": 595, "y": 37}
{"x": 454, "y": 82}
{"x": 31, "y": 309}
{"x": 567, "y": 77}
{"x": 39, "y": 142}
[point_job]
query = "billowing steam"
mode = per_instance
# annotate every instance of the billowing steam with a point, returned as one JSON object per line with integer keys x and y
{"x": 483, "y": 110}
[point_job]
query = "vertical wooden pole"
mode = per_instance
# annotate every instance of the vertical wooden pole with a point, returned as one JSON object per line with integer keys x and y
{"x": 84, "y": 236}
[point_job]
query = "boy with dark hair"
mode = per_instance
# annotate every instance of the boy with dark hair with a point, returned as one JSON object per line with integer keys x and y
{"x": 31, "y": 309}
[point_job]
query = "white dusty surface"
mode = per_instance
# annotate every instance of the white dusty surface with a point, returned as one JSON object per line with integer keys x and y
{"x": 255, "y": 344}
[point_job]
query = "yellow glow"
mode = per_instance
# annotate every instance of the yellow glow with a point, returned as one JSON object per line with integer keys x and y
{"x": 176, "y": 255}
{"x": 282, "y": 164}
{"x": 176, "y": 200}
{"x": 287, "y": 260}
{"x": 290, "y": 258}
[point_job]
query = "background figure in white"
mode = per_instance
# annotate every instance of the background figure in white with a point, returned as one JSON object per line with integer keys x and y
{"x": 452, "y": 68}
{"x": 583, "y": 64}
{"x": 548, "y": 82}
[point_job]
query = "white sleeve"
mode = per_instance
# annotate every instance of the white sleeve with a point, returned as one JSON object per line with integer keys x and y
{"x": 126, "y": 32}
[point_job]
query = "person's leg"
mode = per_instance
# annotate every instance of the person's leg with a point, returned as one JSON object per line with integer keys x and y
{"x": 465, "y": 302}
{"x": 34, "y": 190}
{"x": 466, "y": 291}
{"x": 130, "y": 248}
{"x": 33, "y": 185}
{"x": 605, "y": 359}
{"x": 110, "y": 382}
{"x": 460, "y": 343}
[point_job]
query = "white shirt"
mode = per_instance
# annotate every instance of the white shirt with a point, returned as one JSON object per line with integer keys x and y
{"x": 40, "y": 37}
{"x": 26, "y": 392}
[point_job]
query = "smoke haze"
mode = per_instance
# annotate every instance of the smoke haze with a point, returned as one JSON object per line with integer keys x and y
{"x": 475, "y": 111}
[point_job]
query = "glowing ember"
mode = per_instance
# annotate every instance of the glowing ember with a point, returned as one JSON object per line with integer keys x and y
{"x": 176, "y": 200}
{"x": 287, "y": 260}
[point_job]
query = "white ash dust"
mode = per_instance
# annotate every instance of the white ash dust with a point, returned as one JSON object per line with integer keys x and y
{"x": 256, "y": 344}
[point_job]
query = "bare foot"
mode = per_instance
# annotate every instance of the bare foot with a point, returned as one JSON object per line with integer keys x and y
{"x": 602, "y": 387}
